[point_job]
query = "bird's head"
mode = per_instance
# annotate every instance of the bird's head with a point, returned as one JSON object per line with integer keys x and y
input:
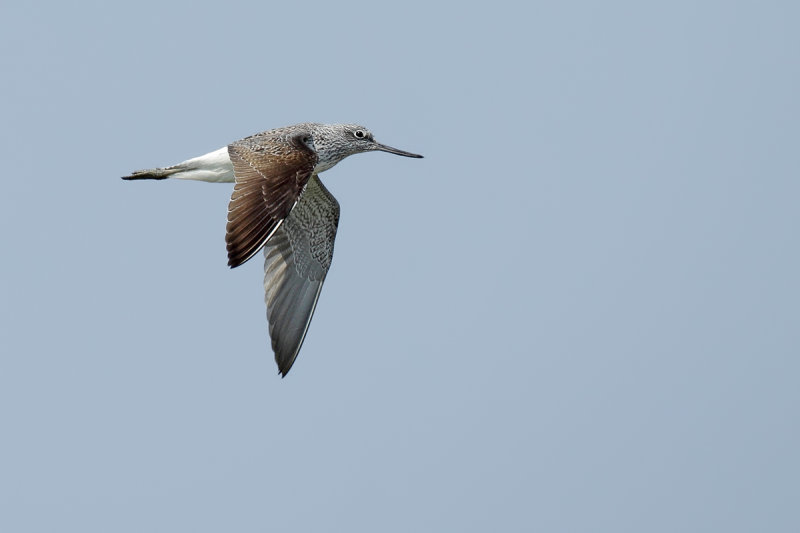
{"x": 334, "y": 142}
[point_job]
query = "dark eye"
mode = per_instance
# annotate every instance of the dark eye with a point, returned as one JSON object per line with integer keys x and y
{"x": 360, "y": 134}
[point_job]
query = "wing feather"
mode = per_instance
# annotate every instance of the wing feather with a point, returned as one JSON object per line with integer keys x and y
{"x": 297, "y": 259}
{"x": 271, "y": 172}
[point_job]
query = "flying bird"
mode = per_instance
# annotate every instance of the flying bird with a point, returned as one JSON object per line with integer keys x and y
{"x": 279, "y": 204}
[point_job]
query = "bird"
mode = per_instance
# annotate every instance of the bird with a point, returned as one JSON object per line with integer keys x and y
{"x": 279, "y": 204}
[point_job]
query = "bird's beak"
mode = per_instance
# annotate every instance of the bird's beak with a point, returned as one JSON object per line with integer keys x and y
{"x": 384, "y": 148}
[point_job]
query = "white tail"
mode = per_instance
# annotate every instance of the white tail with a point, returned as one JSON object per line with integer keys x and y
{"x": 214, "y": 166}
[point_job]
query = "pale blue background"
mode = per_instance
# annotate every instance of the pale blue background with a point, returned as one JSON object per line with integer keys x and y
{"x": 578, "y": 313}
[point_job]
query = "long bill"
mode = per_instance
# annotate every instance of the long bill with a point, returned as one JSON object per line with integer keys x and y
{"x": 384, "y": 148}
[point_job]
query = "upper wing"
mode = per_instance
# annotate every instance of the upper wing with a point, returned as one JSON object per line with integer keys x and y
{"x": 298, "y": 257}
{"x": 270, "y": 174}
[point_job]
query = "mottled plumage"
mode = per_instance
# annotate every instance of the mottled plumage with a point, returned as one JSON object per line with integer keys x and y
{"x": 279, "y": 204}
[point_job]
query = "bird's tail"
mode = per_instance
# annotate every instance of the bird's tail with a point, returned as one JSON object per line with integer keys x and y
{"x": 153, "y": 173}
{"x": 215, "y": 166}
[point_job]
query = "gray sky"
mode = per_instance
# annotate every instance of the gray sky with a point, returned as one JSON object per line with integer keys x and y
{"x": 578, "y": 313}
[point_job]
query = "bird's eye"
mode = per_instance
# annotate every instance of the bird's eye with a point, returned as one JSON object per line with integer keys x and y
{"x": 359, "y": 134}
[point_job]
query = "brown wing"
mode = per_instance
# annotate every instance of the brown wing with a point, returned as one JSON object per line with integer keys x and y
{"x": 270, "y": 173}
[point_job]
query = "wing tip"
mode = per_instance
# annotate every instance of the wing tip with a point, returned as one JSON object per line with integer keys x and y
{"x": 285, "y": 363}
{"x": 238, "y": 257}
{"x": 284, "y": 371}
